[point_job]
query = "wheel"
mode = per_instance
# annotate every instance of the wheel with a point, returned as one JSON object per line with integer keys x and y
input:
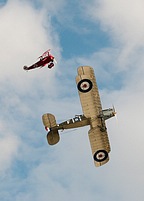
{"x": 100, "y": 155}
{"x": 85, "y": 85}
{"x": 50, "y": 65}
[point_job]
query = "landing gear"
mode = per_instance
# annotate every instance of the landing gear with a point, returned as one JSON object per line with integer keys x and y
{"x": 50, "y": 65}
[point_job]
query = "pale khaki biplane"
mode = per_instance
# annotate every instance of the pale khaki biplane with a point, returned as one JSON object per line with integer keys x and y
{"x": 93, "y": 115}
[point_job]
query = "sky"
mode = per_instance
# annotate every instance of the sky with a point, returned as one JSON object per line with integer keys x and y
{"x": 107, "y": 35}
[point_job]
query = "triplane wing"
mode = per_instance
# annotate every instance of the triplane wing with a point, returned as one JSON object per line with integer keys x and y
{"x": 93, "y": 115}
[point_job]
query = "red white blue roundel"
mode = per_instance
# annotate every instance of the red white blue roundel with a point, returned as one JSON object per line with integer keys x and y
{"x": 85, "y": 85}
{"x": 100, "y": 155}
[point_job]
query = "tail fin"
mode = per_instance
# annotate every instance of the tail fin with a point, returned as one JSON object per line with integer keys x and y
{"x": 25, "y": 68}
{"x": 49, "y": 122}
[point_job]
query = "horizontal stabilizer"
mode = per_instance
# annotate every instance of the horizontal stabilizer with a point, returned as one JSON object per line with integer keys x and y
{"x": 49, "y": 120}
{"x": 25, "y": 68}
{"x": 53, "y": 137}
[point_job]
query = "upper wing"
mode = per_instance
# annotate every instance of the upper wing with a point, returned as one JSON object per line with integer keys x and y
{"x": 46, "y": 53}
{"x": 91, "y": 106}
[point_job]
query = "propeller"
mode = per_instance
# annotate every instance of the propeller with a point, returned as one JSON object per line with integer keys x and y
{"x": 55, "y": 61}
{"x": 115, "y": 113}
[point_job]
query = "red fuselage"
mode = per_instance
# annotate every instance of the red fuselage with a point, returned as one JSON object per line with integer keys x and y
{"x": 42, "y": 62}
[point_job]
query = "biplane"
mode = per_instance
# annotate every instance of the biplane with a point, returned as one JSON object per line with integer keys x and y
{"x": 93, "y": 115}
{"x": 44, "y": 59}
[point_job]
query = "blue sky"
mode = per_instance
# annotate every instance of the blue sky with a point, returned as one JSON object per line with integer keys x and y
{"x": 107, "y": 35}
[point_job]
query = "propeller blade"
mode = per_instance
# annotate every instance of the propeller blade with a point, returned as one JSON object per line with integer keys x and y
{"x": 115, "y": 113}
{"x": 55, "y": 61}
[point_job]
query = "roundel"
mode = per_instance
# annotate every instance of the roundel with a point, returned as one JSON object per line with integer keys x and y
{"x": 84, "y": 85}
{"x": 100, "y": 155}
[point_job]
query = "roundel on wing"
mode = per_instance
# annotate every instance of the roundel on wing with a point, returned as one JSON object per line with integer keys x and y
{"x": 100, "y": 155}
{"x": 85, "y": 85}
